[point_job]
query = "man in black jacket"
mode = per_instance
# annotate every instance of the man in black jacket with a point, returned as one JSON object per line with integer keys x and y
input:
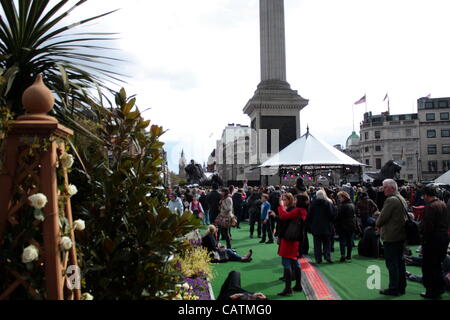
{"x": 238, "y": 206}
{"x": 254, "y": 210}
{"x": 213, "y": 200}
{"x": 274, "y": 200}
{"x": 435, "y": 243}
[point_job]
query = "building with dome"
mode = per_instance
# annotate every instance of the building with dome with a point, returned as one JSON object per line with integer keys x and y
{"x": 352, "y": 146}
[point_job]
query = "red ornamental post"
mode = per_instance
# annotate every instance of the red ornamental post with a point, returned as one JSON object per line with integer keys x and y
{"x": 38, "y": 101}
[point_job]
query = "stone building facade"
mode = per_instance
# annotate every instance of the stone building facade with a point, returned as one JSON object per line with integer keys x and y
{"x": 434, "y": 117}
{"x": 391, "y": 137}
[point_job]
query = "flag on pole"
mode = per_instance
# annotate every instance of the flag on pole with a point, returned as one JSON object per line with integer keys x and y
{"x": 362, "y": 100}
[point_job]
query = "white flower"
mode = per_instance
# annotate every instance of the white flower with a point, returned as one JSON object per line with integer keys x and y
{"x": 38, "y": 201}
{"x": 66, "y": 243}
{"x": 66, "y": 161}
{"x": 30, "y": 254}
{"x": 79, "y": 225}
{"x": 87, "y": 296}
{"x": 38, "y": 215}
{"x": 72, "y": 190}
{"x": 186, "y": 286}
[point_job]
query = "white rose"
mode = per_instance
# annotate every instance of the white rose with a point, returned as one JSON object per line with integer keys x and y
{"x": 67, "y": 161}
{"x": 72, "y": 190}
{"x": 30, "y": 254}
{"x": 87, "y": 296}
{"x": 66, "y": 243}
{"x": 79, "y": 225}
{"x": 38, "y": 201}
{"x": 38, "y": 215}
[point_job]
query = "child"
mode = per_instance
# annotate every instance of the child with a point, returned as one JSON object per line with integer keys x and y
{"x": 264, "y": 219}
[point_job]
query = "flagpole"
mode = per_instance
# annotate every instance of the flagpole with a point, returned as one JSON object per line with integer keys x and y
{"x": 366, "y": 102}
{"x": 353, "y": 107}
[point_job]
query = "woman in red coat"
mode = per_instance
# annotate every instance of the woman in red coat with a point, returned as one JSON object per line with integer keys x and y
{"x": 289, "y": 250}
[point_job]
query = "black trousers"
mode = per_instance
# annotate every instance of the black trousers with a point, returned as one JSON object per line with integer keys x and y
{"x": 272, "y": 221}
{"x": 346, "y": 243}
{"x": 231, "y": 286}
{"x": 322, "y": 247}
{"x": 395, "y": 263}
{"x": 434, "y": 253}
{"x": 266, "y": 230}
{"x": 254, "y": 217}
{"x": 225, "y": 235}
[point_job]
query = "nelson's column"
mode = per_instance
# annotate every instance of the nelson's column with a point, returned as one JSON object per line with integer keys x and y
{"x": 275, "y": 106}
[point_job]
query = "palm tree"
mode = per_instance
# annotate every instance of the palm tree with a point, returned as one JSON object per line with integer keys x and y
{"x": 34, "y": 40}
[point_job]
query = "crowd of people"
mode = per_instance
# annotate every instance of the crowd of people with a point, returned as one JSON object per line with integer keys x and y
{"x": 284, "y": 216}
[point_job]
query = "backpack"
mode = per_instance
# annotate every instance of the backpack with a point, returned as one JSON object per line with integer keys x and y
{"x": 412, "y": 229}
{"x": 294, "y": 230}
{"x": 370, "y": 244}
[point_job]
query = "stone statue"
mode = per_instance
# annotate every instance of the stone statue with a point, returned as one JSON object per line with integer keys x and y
{"x": 194, "y": 173}
{"x": 391, "y": 170}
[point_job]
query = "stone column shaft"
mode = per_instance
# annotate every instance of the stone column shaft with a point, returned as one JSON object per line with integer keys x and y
{"x": 273, "y": 40}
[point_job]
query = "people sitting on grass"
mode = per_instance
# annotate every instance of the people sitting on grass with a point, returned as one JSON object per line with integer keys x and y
{"x": 220, "y": 254}
{"x": 232, "y": 290}
{"x": 417, "y": 261}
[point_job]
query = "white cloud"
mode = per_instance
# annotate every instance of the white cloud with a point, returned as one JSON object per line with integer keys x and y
{"x": 196, "y": 63}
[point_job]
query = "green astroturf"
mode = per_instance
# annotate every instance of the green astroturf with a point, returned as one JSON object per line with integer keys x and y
{"x": 260, "y": 275}
{"x": 349, "y": 279}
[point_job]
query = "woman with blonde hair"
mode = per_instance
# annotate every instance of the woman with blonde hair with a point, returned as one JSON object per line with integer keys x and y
{"x": 345, "y": 225}
{"x": 220, "y": 253}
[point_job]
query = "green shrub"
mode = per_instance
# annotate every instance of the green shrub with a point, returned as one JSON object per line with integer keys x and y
{"x": 126, "y": 251}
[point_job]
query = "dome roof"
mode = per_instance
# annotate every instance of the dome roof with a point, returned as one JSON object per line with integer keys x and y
{"x": 353, "y": 140}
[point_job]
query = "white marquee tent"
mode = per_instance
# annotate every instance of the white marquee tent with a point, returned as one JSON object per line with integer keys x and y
{"x": 445, "y": 179}
{"x": 311, "y": 152}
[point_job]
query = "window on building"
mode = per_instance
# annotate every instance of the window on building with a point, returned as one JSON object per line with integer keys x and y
{"x": 367, "y": 162}
{"x": 409, "y": 163}
{"x": 429, "y": 105}
{"x": 410, "y": 177}
{"x": 408, "y": 132}
{"x": 446, "y": 165}
{"x": 443, "y": 104}
{"x": 431, "y": 133}
{"x": 432, "y": 166}
{"x": 446, "y": 149}
{"x": 445, "y": 133}
{"x": 377, "y": 135}
{"x": 378, "y": 148}
{"x": 432, "y": 149}
{"x": 366, "y": 149}
{"x": 445, "y": 116}
{"x": 431, "y": 116}
{"x": 378, "y": 161}
{"x": 366, "y": 136}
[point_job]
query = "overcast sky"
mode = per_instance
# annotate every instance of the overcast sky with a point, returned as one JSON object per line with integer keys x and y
{"x": 196, "y": 63}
